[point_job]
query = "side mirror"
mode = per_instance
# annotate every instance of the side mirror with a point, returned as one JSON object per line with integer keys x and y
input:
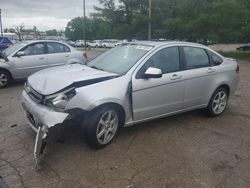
{"x": 20, "y": 53}
{"x": 152, "y": 72}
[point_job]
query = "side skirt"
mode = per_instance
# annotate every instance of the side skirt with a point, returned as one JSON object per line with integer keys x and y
{"x": 131, "y": 123}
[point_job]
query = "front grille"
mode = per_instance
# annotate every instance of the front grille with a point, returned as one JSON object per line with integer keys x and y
{"x": 34, "y": 95}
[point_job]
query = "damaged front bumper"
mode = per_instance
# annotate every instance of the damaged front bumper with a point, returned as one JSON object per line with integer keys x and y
{"x": 40, "y": 118}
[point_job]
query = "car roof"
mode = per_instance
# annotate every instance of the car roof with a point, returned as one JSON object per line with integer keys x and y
{"x": 33, "y": 41}
{"x": 162, "y": 43}
{"x": 26, "y": 42}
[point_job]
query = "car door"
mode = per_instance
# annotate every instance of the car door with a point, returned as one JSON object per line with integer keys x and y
{"x": 198, "y": 76}
{"x": 158, "y": 96}
{"x": 32, "y": 60}
{"x": 58, "y": 54}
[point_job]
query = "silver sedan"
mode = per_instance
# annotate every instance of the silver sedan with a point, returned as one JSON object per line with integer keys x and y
{"x": 25, "y": 58}
{"x": 130, "y": 84}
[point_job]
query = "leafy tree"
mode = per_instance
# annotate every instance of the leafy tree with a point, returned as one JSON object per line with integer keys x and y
{"x": 191, "y": 20}
{"x": 52, "y": 32}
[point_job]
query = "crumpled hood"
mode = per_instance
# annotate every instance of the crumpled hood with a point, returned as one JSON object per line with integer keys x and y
{"x": 52, "y": 80}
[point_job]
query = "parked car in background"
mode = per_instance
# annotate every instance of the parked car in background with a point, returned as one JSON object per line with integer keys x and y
{"x": 244, "y": 47}
{"x": 23, "y": 59}
{"x": 5, "y": 42}
{"x": 79, "y": 43}
{"x": 119, "y": 42}
{"x": 69, "y": 42}
{"x": 95, "y": 44}
{"x": 158, "y": 79}
{"x": 109, "y": 43}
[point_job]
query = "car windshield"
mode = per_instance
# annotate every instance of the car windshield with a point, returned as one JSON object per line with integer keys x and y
{"x": 120, "y": 59}
{"x": 13, "y": 48}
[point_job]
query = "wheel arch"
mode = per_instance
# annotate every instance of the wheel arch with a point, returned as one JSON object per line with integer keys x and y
{"x": 117, "y": 106}
{"x": 72, "y": 61}
{"x": 225, "y": 86}
{"x": 6, "y": 70}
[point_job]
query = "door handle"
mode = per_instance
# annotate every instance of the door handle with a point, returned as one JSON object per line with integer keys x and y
{"x": 211, "y": 70}
{"x": 175, "y": 77}
{"x": 66, "y": 55}
{"x": 41, "y": 58}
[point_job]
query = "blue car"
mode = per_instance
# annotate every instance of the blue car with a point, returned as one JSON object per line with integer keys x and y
{"x": 4, "y": 43}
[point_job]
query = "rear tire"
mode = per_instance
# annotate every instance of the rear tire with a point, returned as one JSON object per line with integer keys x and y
{"x": 218, "y": 102}
{"x": 100, "y": 127}
{"x": 5, "y": 79}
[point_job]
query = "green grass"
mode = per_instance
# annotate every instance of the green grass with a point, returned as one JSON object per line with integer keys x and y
{"x": 237, "y": 55}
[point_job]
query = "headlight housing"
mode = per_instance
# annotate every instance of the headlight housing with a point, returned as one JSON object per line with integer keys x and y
{"x": 60, "y": 100}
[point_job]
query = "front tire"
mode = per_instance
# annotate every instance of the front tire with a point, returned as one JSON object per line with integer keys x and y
{"x": 100, "y": 127}
{"x": 218, "y": 102}
{"x": 5, "y": 79}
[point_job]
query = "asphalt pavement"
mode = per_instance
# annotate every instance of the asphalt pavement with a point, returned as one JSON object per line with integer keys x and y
{"x": 187, "y": 150}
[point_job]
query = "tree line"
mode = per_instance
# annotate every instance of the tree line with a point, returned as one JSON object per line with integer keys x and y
{"x": 222, "y": 21}
{"x": 20, "y": 30}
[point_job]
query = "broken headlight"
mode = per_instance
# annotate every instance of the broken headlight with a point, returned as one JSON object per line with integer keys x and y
{"x": 60, "y": 100}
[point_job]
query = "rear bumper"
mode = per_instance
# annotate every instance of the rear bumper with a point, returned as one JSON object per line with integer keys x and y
{"x": 38, "y": 115}
{"x": 235, "y": 83}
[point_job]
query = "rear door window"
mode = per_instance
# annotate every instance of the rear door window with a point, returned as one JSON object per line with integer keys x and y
{"x": 216, "y": 60}
{"x": 54, "y": 47}
{"x": 195, "y": 58}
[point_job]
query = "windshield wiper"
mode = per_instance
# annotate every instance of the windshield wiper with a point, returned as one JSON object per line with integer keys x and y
{"x": 94, "y": 67}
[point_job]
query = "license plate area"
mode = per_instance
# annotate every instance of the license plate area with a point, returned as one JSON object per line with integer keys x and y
{"x": 31, "y": 119}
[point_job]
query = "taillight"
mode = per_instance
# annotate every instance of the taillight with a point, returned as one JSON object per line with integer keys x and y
{"x": 237, "y": 68}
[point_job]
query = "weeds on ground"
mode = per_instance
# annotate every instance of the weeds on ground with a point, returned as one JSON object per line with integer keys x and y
{"x": 238, "y": 55}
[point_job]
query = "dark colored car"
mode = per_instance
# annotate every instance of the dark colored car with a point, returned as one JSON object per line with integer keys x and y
{"x": 244, "y": 47}
{"x": 5, "y": 42}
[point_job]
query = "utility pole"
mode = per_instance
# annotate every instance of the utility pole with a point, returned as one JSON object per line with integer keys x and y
{"x": 149, "y": 19}
{"x": 1, "y": 26}
{"x": 84, "y": 25}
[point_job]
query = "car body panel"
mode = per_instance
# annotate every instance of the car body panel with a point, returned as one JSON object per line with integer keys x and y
{"x": 24, "y": 66}
{"x": 102, "y": 93}
{"x": 66, "y": 75}
{"x": 194, "y": 82}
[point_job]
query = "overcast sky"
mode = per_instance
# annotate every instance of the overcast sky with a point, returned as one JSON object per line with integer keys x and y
{"x": 45, "y": 14}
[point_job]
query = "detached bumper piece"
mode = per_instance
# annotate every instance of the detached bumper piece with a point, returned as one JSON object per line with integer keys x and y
{"x": 40, "y": 118}
{"x": 40, "y": 143}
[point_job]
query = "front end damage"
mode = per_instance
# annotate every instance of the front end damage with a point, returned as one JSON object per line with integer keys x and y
{"x": 41, "y": 118}
{"x": 57, "y": 97}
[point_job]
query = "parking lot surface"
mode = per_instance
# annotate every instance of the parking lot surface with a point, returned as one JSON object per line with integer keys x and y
{"x": 187, "y": 150}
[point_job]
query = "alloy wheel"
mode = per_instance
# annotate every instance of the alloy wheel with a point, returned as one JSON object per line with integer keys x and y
{"x": 3, "y": 79}
{"x": 220, "y": 102}
{"x": 107, "y": 127}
